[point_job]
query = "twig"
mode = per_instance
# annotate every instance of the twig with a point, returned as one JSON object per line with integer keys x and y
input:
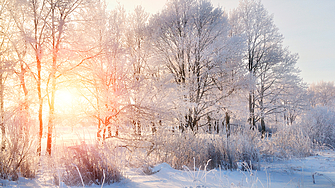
{"x": 316, "y": 173}
{"x": 82, "y": 181}
{"x": 103, "y": 181}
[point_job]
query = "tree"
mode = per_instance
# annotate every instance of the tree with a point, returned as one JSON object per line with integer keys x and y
{"x": 191, "y": 41}
{"x": 144, "y": 73}
{"x": 322, "y": 94}
{"x": 6, "y": 61}
{"x": 62, "y": 12}
{"x": 31, "y": 20}
{"x": 268, "y": 63}
{"x": 276, "y": 77}
{"x": 294, "y": 101}
{"x": 104, "y": 76}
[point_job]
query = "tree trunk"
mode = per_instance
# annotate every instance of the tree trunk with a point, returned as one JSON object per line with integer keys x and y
{"x": 99, "y": 130}
{"x": 2, "y": 124}
{"x": 209, "y": 124}
{"x": 53, "y": 79}
{"x": 262, "y": 109}
{"x": 25, "y": 106}
{"x": 40, "y": 107}
{"x": 109, "y": 128}
{"x": 153, "y": 128}
{"x": 104, "y": 132}
{"x": 51, "y": 107}
{"x": 252, "y": 120}
{"x": 263, "y": 127}
{"x": 139, "y": 128}
{"x": 38, "y": 52}
{"x": 227, "y": 119}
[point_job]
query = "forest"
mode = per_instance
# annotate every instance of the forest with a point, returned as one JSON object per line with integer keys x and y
{"x": 190, "y": 85}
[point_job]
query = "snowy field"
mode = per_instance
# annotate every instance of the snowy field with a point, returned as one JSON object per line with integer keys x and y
{"x": 291, "y": 173}
{"x": 313, "y": 171}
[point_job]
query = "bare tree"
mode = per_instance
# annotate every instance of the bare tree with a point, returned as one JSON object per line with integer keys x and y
{"x": 31, "y": 20}
{"x": 190, "y": 40}
{"x": 322, "y": 94}
{"x": 104, "y": 76}
{"x": 6, "y": 62}
{"x": 139, "y": 49}
{"x": 268, "y": 63}
{"x": 61, "y": 14}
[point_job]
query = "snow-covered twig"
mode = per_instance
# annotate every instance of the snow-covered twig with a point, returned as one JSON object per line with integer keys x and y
{"x": 316, "y": 173}
{"x": 103, "y": 181}
{"x": 82, "y": 181}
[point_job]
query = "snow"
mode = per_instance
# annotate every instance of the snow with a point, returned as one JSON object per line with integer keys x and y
{"x": 276, "y": 174}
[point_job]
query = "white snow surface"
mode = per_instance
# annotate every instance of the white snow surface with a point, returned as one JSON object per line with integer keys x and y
{"x": 289, "y": 173}
{"x": 276, "y": 174}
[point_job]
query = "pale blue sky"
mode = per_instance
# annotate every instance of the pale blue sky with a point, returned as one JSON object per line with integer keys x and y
{"x": 307, "y": 25}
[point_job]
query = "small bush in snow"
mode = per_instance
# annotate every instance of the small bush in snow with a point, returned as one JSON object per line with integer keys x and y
{"x": 87, "y": 164}
{"x": 319, "y": 124}
{"x": 287, "y": 142}
{"x": 179, "y": 149}
{"x": 18, "y": 157}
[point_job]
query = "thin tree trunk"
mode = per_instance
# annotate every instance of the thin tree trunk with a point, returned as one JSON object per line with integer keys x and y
{"x": 38, "y": 52}
{"x": 262, "y": 111}
{"x": 252, "y": 121}
{"x": 40, "y": 106}
{"x": 263, "y": 126}
{"x": 99, "y": 131}
{"x": 209, "y": 121}
{"x": 25, "y": 107}
{"x": 53, "y": 81}
{"x": 51, "y": 111}
{"x": 104, "y": 132}
{"x": 227, "y": 119}
{"x": 2, "y": 124}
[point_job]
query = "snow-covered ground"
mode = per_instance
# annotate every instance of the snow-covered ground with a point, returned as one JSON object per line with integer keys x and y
{"x": 291, "y": 173}
{"x": 314, "y": 171}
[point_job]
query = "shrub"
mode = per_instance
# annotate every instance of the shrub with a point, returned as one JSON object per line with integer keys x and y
{"x": 87, "y": 164}
{"x": 178, "y": 149}
{"x": 287, "y": 142}
{"x": 18, "y": 158}
{"x": 319, "y": 124}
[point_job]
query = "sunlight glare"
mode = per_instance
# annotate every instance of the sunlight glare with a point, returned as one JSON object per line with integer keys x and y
{"x": 64, "y": 98}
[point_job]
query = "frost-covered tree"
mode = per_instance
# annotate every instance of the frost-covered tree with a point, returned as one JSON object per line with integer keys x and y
{"x": 322, "y": 94}
{"x": 6, "y": 60}
{"x": 104, "y": 76}
{"x": 291, "y": 103}
{"x": 62, "y": 12}
{"x": 269, "y": 65}
{"x": 43, "y": 25}
{"x": 275, "y": 79}
{"x": 139, "y": 53}
{"x": 31, "y": 21}
{"x": 192, "y": 41}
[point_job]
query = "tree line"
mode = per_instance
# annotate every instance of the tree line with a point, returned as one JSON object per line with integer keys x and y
{"x": 189, "y": 67}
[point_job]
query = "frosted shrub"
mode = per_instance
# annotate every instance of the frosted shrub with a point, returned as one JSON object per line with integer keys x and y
{"x": 179, "y": 149}
{"x": 242, "y": 146}
{"x": 287, "y": 142}
{"x": 319, "y": 124}
{"x": 87, "y": 164}
{"x": 18, "y": 158}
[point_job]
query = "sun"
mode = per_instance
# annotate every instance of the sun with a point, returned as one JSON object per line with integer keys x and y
{"x": 64, "y": 98}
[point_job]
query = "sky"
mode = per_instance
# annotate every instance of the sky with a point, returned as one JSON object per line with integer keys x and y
{"x": 307, "y": 25}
